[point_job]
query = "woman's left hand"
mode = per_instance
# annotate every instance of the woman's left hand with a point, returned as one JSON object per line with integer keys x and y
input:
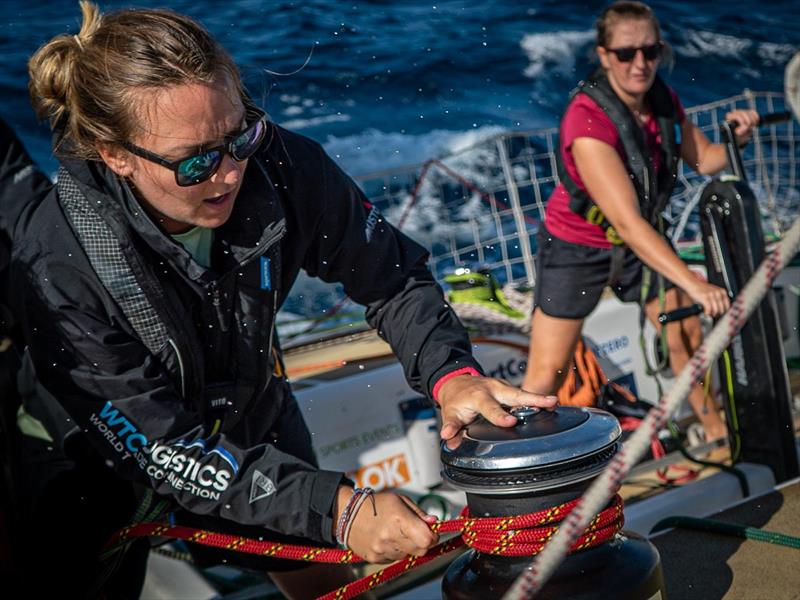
{"x": 746, "y": 121}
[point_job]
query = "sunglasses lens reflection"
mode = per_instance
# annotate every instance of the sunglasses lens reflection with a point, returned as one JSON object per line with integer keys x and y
{"x": 628, "y": 54}
{"x": 246, "y": 144}
{"x": 198, "y": 168}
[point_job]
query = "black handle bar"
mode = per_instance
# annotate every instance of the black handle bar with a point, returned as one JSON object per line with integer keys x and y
{"x": 728, "y": 129}
{"x": 766, "y": 119}
{"x": 774, "y": 117}
{"x": 680, "y": 313}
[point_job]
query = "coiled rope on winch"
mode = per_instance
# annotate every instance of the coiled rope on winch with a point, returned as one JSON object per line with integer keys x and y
{"x": 521, "y": 535}
{"x": 608, "y": 482}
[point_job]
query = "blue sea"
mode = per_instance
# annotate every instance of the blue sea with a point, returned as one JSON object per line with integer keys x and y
{"x": 392, "y": 83}
{"x": 384, "y": 84}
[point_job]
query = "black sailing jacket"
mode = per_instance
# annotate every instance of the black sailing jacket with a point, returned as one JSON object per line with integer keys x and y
{"x": 21, "y": 185}
{"x": 156, "y": 416}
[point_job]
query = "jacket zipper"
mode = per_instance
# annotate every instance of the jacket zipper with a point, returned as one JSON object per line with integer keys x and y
{"x": 215, "y": 300}
{"x": 259, "y": 250}
{"x": 276, "y": 236}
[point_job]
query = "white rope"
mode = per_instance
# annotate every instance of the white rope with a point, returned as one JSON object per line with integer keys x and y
{"x": 686, "y": 213}
{"x": 604, "y": 487}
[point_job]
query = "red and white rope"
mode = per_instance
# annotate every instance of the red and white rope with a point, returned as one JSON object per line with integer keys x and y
{"x": 609, "y": 481}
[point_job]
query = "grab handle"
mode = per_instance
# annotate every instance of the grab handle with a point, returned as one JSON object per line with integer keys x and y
{"x": 774, "y": 118}
{"x": 732, "y": 150}
{"x": 680, "y": 313}
{"x": 766, "y": 119}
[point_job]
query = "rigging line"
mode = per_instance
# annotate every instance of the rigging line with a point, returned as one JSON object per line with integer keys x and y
{"x": 321, "y": 319}
{"x": 600, "y": 491}
{"x": 686, "y": 213}
{"x": 489, "y": 198}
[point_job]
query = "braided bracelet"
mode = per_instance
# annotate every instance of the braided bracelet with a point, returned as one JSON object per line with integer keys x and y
{"x": 348, "y": 514}
{"x": 365, "y": 493}
{"x": 344, "y": 517}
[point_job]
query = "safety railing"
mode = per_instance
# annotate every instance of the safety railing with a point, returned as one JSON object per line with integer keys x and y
{"x": 481, "y": 206}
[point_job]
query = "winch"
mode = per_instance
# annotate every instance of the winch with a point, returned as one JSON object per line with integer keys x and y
{"x": 547, "y": 460}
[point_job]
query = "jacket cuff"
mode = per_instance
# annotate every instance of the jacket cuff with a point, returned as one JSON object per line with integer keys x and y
{"x": 448, "y": 373}
{"x": 323, "y": 494}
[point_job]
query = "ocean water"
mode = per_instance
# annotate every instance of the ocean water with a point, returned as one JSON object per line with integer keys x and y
{"x": 384, "y": 84}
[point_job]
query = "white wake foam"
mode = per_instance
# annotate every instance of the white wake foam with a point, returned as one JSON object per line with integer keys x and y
{"x": 372, "y": 150}
{"x": 555, "y": 51}
{"x": 300, "y": 124}
{"x": 700, "y": 44}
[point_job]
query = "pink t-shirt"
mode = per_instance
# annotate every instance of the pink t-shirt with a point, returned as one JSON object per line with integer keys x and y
{"x": 584, "y": 118}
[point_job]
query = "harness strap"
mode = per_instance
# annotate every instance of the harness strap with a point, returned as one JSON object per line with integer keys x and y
{"x": 652, "y": 190}
{"x": 110, "y": 264}
{"x": 103, "y": 249}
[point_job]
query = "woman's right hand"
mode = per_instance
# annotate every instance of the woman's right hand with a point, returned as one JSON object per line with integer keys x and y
{"x": 714, "y": 299}
{"x": 390, "y": 529}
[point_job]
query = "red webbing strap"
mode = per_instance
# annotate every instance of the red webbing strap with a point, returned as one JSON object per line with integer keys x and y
{"x": 522, "y": 535}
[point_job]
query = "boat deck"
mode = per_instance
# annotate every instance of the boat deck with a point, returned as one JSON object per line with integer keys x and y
{"x": 696, "y": 565}
{"x": 701, "y": 564}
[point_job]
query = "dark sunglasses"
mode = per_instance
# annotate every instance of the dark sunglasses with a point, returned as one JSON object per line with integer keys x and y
{"x": 201, "y": 167}
{"x": 650, "y": 52}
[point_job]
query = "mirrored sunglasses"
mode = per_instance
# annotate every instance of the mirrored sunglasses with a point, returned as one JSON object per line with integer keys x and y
{"x": 201, "y": 167}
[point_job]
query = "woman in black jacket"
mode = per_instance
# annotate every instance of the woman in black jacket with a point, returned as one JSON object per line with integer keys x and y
{"x": 148, "y": 284}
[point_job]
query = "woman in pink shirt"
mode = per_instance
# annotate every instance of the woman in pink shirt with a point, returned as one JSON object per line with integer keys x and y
{"x": 620, "y": 140}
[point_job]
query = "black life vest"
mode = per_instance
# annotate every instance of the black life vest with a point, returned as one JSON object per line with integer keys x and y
{"x": 652, "y": 190}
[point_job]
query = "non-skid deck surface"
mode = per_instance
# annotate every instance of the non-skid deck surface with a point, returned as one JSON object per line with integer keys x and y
{"x": 709, "y": 566}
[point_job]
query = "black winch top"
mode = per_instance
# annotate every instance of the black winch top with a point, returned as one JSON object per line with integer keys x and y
{"x": 544, "y": 449}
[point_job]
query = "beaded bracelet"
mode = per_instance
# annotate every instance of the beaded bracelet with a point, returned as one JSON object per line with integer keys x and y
{"x": 348, "y": 514}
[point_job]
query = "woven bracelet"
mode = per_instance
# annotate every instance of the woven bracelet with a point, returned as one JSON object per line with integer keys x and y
{"x": 365, "y": 493}
{"x": 340, "y": 525}
{"x": 349, "y": 512}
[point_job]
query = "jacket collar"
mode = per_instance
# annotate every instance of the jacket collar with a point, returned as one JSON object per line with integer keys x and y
{"x": 256, "y": 219}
